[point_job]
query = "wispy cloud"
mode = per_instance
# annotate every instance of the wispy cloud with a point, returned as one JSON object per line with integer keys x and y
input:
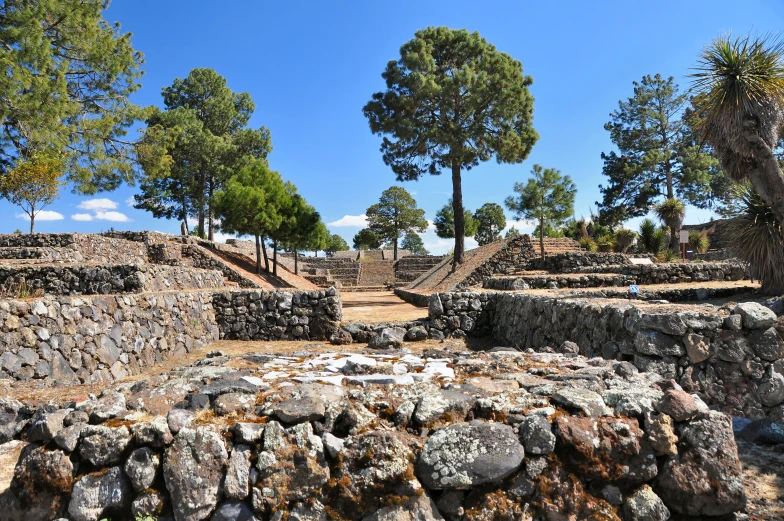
{"x": 84, "y": 217}
{"x": 356, "y": 221}
{"x": 98, "y": 204}
{"x": 42, "y": 215}
{"x": 130, "y": 201}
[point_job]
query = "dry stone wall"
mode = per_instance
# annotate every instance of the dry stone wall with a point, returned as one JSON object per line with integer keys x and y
{"x": 561, "y": 262}
{"x": 513, "y": 257}
{"x": 70, "y": 340}
{"x": 76, "y": 279}
{"x": 733, "y": 357}
{"x": 73, "y": 247}
{"x": 278, "y": 315}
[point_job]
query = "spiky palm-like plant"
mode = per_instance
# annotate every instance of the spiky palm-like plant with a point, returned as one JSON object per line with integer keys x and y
{"x": 624, "y": 239}
{"x": 648, "y": 236}
{"x": 698, "y": 241}
{"x": 671, "y": 212}
{"x": 757, "y": 238}
{"x": 739, "y": 103}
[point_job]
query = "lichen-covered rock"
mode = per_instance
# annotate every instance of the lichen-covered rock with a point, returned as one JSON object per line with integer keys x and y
{"x": 387, "y": 338}
{"x": 235, "y": 486}
{"x": 644, "y": 505}
{"x": 612, "y": 450}
{"x": 233, "y": 511}
{"x": 44, "y": 426}
{"x": 678, "y": 405}
{"x": 192, "y": 469}
{"x": 705, "y": 477}
{"x": 462, "y": 456}
{"x": 587, "y": 402}
{"x": 141, "y": 467}
{"x": 755, "y": 315}
{"x": 419, "y": 508}
{"x": 561, "y": 495}
{"x": 314, "y": 511}
{"x": 42, "y": 481}
{"x": 150, "y": 503}
{"x": 103, "y": 446}
{"x": 94, "y": 497}
{"x": 438, "y": 405}
{"x": 155, "y": 433}
{"x": 537, "y": 436}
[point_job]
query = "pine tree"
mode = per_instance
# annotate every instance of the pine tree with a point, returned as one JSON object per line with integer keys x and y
{"x": 490, "y": 221}
{"x": 395, "y": 214}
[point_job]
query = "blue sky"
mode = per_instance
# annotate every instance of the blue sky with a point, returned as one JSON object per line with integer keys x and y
{"x": 311, "y": 66}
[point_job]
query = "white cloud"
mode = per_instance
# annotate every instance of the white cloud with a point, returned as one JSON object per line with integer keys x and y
{"x": 42, "y": 215}
{"x": 130, "y": 201}
{"x": 112, "y": 216}
{"x": 98, "y": 204}
{"x": 356, "y": 221}
{"x": 85, "y": 217}
{"x": 522, "y": 226}
{"x": 431, "y": 226}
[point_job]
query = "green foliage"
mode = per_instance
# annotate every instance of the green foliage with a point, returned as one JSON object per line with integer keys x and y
{"x": 33, "y": 183}
{"x": 698, "y": 241}
{"x": 652, "y": 238}
{"x": 668, "y": 256}
{"x": 588, "y": 244}
{"x": 671, "y": 212}
{"x": 452, "y": 101}
{"x": 336, "y": 243}
{"x": 575, "y": 229}
{"x": 366, "y": 239}
{"x": 252, "y": 202}
{"x": 605, "y": 243}
{"x": 445, "y": 222}
{"x": 396, "y": 213}
{"x": 511, "y": 232}
{"x": 413, "y": 243}
{"x": 490, "y": 222}
{"x": 624, "y": 238}
{"x": 67, "y": 78}
{"x": 548, "y": 197}
{"x": 658, "y": 154}
{"x": 757, "y": 238}
{"x": 195, "y": 145}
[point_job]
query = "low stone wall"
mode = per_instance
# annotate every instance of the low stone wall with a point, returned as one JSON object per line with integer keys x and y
{"x": 417, "y": 299}
{"x": 733, "y": 358}
{"x": 513, "y": 257}
{"x": 73, "y": 247}
{"x": 671, "y": 272}
{"x": 280, "y": 315}
{"x": 554, "y": 282}
{"x": 569, "y": 260}
{"x": 73, "y": 279}
{"x": 93, "y": 339}
{"x": 201, "y": 259}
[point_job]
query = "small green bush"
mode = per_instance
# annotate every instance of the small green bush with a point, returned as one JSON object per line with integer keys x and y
{"x": 588, "y": 244}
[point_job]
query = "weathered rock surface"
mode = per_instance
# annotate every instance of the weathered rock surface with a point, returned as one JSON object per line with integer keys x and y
{"x": 96, "y": 497}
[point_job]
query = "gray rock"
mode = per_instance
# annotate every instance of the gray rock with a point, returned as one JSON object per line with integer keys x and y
{"x": 151, "y": 503}
{"x": 192, "y": 469}
{"x": 28, "y": 356}
{"x": 767, "y": 344}
{"x": 657, "y": 344}
{"x": 433, "y": 406}
{"x": 755, "y": 316}
{"x": 229, "y": 403}
{"x": 178, "y": 419}
{"x": 587, "y": 402}
{"x": 733, "y": 322}
{"x": 44, "y": 426}
{"x": 644, "y": 505}
{"x": 94, "y": 497}
{"x": 388, "y": 338}
{"x": 308, "y": 512}
{"x": 612, "y": 495}
{"x": 229, "y": 386}
{"x": 10, "y": 362}
{"x": 435, "y": 307}
{"x": 771, "y": 389}
{"x": 304, "y": 409}
{"x": 450, "y": 503}
{"x": 416, "y": 334}
{"x": 463, "y": 456}
{"x": 569, "y": 347}
{"x": 765, "y": 430}
{"x": 61, "y": 372}
{"x": 522, "y": 486}
{"x": 154, "y": 433}
{"x": 418, "y": 508}
{"x": 332, "y": 444}
{"x": 233, "y": 511}
{"x": 235, "y": 485}
{"x": 667, "y": 323}
{"x": 110, "y": 404}
{"x": 248, "y": 433}
{"x": 141, "y": 467}
{"x": 103, "y": 446}
{"x": 537, "y": 435}
{"x": 68, "y": 437}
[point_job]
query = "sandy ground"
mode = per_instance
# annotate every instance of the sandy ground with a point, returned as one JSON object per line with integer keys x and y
{"x": 372, "y": 307}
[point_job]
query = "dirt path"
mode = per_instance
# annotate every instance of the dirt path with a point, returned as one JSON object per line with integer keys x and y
{"x": 372, "y": 307}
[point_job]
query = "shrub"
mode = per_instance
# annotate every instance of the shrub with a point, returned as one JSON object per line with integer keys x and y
{"x": 698, "y": 241}
{"x": 605, "y": 244}
{"x": 588, "y": 244}
{"x": 624, "y": 239}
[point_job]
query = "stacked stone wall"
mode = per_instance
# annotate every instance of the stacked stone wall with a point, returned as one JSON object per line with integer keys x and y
{"x": 513, "y": 257}
{"x": 76, "y": 279}
{"x": 201, "y": 259}
{"x": 733, "y": 358}
{"x": 69, "y": 340}
{"x": 279, "y": 315}
{"x": 568, "y": 260}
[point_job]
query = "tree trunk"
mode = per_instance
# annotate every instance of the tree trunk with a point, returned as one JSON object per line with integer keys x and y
{"x": 202, "y": 203}
{"x": 675, "y": 239}
{"x": 296, "y": 262}
{"x": 275, "y": 258}
{"x": 210, "y": 232}
{"x": 457, "y": 208}
{"x": 541, "y": 237}
{"x": 767, "y": 178}
{"x": 32, "y": 222}
{"x": 258, "y": 255}
{"x": 184, "y": 217}
{"x": 264, "y": 251}
{"x": 395, "y": 249}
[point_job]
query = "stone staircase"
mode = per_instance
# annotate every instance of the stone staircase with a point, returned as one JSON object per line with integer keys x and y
{"x": 323, "y": 272}
{"x": 408, "y": 269}
{"x": 376, "y": 273}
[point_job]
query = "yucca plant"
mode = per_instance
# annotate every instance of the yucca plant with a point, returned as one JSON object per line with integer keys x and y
{"x": 668, "y": 256}
{"x": 698, "y": 241}
{"x": 624, "y": 238}
{"x": 671, "y": 212}
{"x": 647, "y": 235}
{"x": 757, "y": 238}
{"x": 738, "y": 92}
{"x": 588, "y": 244}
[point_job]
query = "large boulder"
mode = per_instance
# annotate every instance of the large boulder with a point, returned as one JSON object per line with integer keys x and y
{"x": 644, "y": 505}
{"x": 755, "y": 316}
{"x": 103, "y": 446}
{"x": 42, "y": 481}
{"x": 705, "y": 477}
{"x": 96, "y": 496}
{"x": 463, "y": 456}
{"x": 387, "y": 338}
{"x": 193, "y": 469}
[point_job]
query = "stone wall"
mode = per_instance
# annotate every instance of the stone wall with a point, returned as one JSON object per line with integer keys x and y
{"x": 670, "y": 272}
{"x": 72, "y": 247}
{"x": 554, "y": 282}
{"x": 568, "y": 260}
{"x": 93, "y": 339}
{"x": 280, "y": 315}
{"x": 420, "y": 300}
{"x": 513, "y": 257}
{"x": 202, "y": 259}
{"x": 76, "y": 279}
{"x": 733, "y": 358}
{"x": 376, "y": 273}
